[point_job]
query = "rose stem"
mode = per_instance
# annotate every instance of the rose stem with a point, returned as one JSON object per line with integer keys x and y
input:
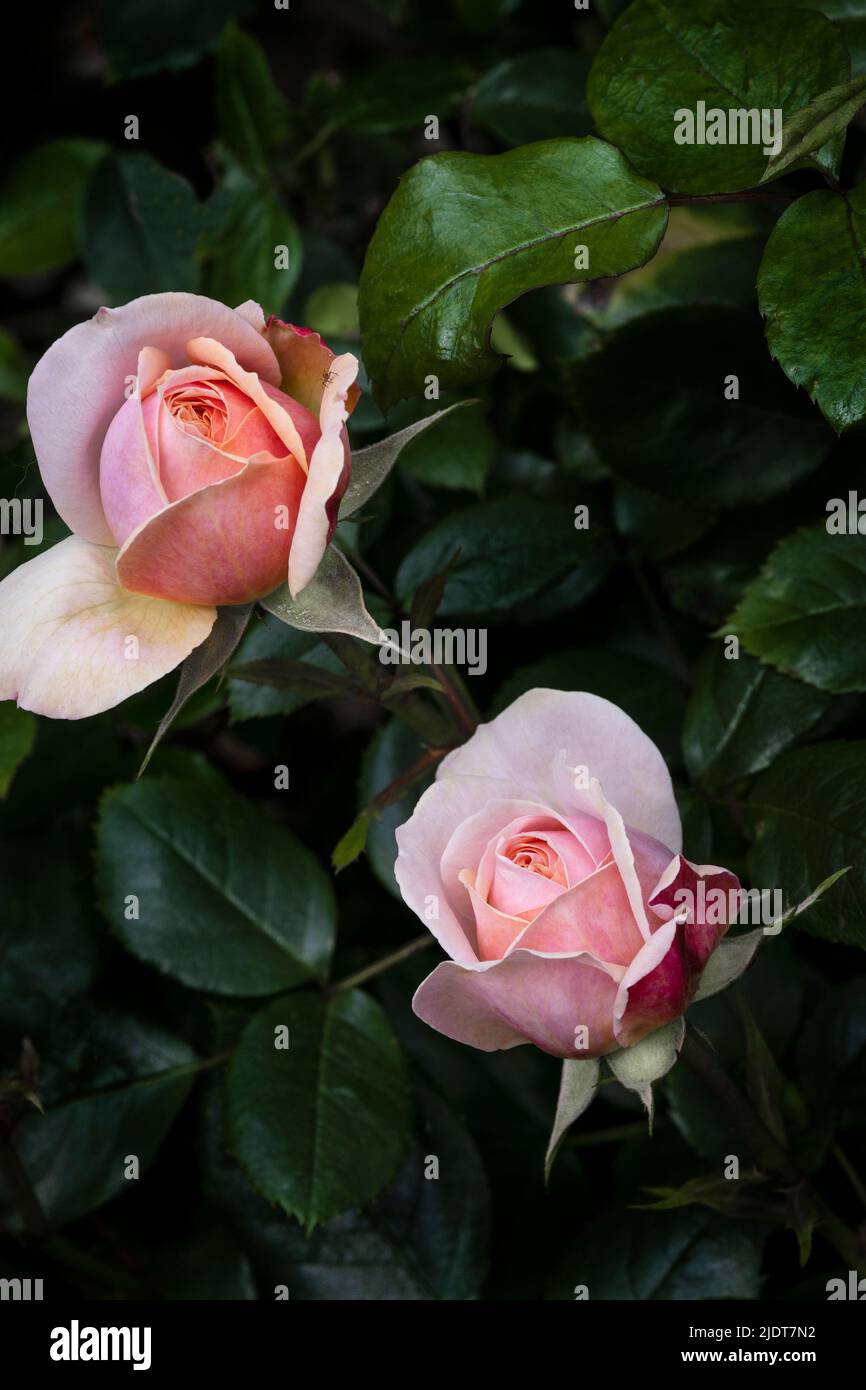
{"x": 379, "y": 966}
{"x": 770, "y": 1155}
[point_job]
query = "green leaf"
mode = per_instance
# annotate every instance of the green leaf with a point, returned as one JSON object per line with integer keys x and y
{"x": 421, "y": 1239}
{"x": 252, "y": 114}
{"x": 270, "y": 640}
{"x": 371, "y": 466}
{"x": 804, "y": 613}
{"x": 141, "y": 224}
{"x": 342, "y": 1084}
{"x": 333, "y": 601}
{"x": 459, "y": 454}
{"x": 113, "y": 1085}
{"x": 509, "y": 550}
{"x": 849, "y": 17}
{"x": 810, "y": 820}
{"x": 742, "y": 715}
{"x": 832, "y": 1056}
{"x": 735, "y": 1198}
{"x": 351, "y": 845}
{"x": 685, "y": 1254}
{"x": 654, "y": 403}
{"x": 228, "y": 900}
{"x": 247, "y": 257}
{"x": 298, "y": 678}
{"x": 465, "y": 234}
{"x": 536, "y": 95}
{"x": 202, "y": 663}
{"x": 40, "y": 202}
{"x": 808, "y": 129}
{"x": 142, "y": 37}
{"x": 17, "y": 736}
{"x": 48, "y": 952}
{"x": 664, "y": 56}
{"x": 812, "y": 292}
{"x": 384, "y": 97}
{"x": 577, "y": 1088}
{"x": 765, "y": 1083}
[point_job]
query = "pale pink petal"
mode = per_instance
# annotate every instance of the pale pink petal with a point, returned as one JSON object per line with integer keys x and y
{"x": 526, "y": 997}
{"x": 221, "y": 545}
{"x": 129, "y": 481}
{"x": 329, "y": 475}
{"x": 519, "y": 891}
{"x": 74, "y": 643}
{"x": 253, "y": 313}
{"x": 428, "y": 879}
{"x": 270, "y": 403}
{"x": 494, "y": 930}
{"x": 79, "y": 385}
{"x": 594, "y": 916}
{"x": 544, "y": 733}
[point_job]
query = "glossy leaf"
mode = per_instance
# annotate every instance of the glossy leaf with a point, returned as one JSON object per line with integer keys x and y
{"x": 437, "y": 272}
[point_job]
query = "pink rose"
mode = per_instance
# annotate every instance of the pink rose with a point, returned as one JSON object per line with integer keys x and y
{"x": 198, "y": 455}
{"x": 545, "y": 860}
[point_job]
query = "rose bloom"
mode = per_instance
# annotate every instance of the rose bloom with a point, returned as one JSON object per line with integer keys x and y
{"x": 198, "y": 455}
{"x": 545, "y": 859}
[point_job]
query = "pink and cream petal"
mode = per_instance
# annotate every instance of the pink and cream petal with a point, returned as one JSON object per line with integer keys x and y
{"x": 130, "y": 485}
{"x": 328, "y": 476}
{"x": 527, "y": 997}
{"x": 221, "y": 545}
{"x": 214, "y": 354}
{"x": 75, "y": 643}
{"x": 79, "y": 384}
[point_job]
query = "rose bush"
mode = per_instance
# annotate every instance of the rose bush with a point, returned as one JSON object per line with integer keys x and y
{"x": 545, "y": 859}
{"x": 198, "y": 454}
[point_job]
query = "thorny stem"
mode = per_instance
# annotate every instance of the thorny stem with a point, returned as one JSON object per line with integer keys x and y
{"x": 769, "y": 1154}
{"x": 379, "y": 966}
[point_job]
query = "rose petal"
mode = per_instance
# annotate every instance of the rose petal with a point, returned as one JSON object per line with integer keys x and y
{"x": 305, "y": 361}
{"x": 77, "y": 387}
{"x": 270, "y": 403}
{"x": 423, "y": 870}
{"x": 329, "y": 474}
{"x": 544, "y": 732}
{"x": 494, "y": 930}
{"x": 526, "y": 997}
{"x": 221, "y": 544}
{"x": 594, "y": 916}
{"x": 65, "y": 625}
{"x": 128, "y": 477}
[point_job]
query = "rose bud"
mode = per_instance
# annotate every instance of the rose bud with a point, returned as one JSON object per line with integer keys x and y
{"x": 545, "y": 859}
{"x": 198, "y": 455}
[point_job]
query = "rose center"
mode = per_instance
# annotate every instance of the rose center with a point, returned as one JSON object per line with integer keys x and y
{"x": 200, "y": 412}
{"x": 536, "y": 855}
